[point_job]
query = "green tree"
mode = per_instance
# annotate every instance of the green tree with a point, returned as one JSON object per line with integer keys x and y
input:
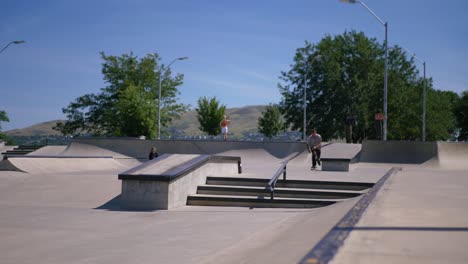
{"x": 209, "y": 114}
{"x": 404, "y": 97}
{"x": 461, "y": 114}
{"x": 128, "y": 105}
{"x": 270, "y": 123}
{"x": 338, "y": 85}
{"x": 347, "y": 81}
{"x": 4, "y": 137}
{"x": 440, "y": 117}
{"x": 137, "y": 113}
{"x": 3, "y": 118}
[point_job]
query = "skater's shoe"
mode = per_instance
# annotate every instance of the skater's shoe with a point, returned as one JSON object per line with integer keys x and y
{"x": 319, "y": 162}
{"x": 312, "y": 168}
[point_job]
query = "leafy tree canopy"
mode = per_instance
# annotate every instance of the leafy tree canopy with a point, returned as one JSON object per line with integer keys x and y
{"x": 343, "y": 77}
{"x": 461, "y": 113}
{"x": 4, "y": 137}
{"x": 3, "y": 118}
{"x": 209, "y": 114}
{"x": 128, "y": 105}
{"x": 270, "y": 123}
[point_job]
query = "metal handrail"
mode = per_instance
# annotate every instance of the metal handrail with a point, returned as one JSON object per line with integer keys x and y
{"x": 271, "y": 184}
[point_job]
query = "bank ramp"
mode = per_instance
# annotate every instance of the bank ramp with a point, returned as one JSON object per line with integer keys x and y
{"x": 436, "y": 155}
{"x": 403, "y": 152}
{"x": 61, "y": 164}
{"x": 452, "y": 155}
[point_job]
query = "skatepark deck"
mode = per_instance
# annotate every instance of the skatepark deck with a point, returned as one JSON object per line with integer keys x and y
{"x": 61, "y": 213}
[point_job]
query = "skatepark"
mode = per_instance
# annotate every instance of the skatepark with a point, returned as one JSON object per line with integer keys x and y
{"x": 375, "y": 202}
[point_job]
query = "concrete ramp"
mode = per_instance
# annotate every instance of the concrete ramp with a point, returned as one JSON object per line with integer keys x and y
{"x": 452, "y": 155}
{"x": 48, "y": 151}
{"x": 302, "y": 159}
{"x": 406, "y": 152}
{"x": 60, "y": 164}
{"x": 139, "y": 149}
{"x": 443, "y": 155}
{"x": 7, "y": 165}
{"x": 82, "y": 149}
{"x": 256, "y": 162}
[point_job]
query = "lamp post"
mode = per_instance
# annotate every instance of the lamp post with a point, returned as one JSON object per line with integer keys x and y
{"x": 424, "y": 93}
{"x": 385, "y": 24}
{"x": 159, "y": 92}
{"x": 304, "y": 102}
{"x": 12, "y": 42}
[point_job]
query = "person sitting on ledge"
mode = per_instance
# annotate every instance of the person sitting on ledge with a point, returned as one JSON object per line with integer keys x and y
{"x": 153, "y": 154}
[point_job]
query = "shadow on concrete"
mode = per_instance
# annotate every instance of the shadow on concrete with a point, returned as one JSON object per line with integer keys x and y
{"x": 403, "y": 228}
{"x": 114, "y": 205}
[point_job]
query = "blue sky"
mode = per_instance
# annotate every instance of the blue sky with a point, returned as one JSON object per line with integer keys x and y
{"x": 236, "y": 49}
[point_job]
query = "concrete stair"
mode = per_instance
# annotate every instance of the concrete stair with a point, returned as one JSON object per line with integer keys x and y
{"x": 251, "y": 192}
{"x": 21, "y": 150}
{"x": 258, "y": 202}
{"x": 331, "y": 185}
{"x": 279, "y": 192}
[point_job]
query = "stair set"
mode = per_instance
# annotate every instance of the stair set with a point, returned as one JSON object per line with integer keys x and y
{"x": 22, "y": 150}
{"x": 254, "y": 193}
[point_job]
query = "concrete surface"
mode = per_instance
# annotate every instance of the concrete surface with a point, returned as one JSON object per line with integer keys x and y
{"x": 341, "y": 151}
{"x": 73, "y": 216}
{"x": 335, "y": 164}
{"x": 49, "y": 151}
{"x": 153, "y": 194}
{"x": 397, "y": 151}
{"x": 420, "y": 216}
{"x": 60, "y": 164}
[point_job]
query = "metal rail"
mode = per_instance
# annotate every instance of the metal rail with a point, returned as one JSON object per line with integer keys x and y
{"x": 271, "y": 184}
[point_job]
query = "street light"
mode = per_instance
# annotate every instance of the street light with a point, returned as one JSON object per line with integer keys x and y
{"x": 159, "y": 92}
{"x": 424, "y": 93}
{"x": 13, "y": 42}
{"x": 317, "y": 57}
{"x": 386, "y": 62}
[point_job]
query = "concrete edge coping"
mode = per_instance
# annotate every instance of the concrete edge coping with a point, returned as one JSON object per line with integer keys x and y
{"x": 57, "y": 157}
{"x": 336, "y": 159}
{"x": 88, "y": 138}
{"x": 178, "y": 171}
{"x": 329, "y": 245}
{"x": 281, "y": 181}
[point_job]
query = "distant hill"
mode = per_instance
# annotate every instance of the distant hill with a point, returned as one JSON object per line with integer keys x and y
{"x": 41, "y": 129}
{"x": 243, "y": 121}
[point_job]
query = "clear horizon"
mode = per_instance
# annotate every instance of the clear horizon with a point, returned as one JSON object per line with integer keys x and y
{"x": 236, "y": 50}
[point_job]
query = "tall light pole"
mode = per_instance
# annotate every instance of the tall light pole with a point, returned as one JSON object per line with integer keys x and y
{"x": 159, "y": 91}
{"x": 385, "y": 24}
{"x": 12, "y": 42}
{"x": 424, "y": 93}
{"x": 304, "y": 102}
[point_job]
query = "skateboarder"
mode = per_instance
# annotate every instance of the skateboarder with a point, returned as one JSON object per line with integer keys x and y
{"x": 314, "y": 144}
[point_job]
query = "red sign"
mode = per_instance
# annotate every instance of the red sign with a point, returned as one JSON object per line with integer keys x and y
{"x": 379, "y": 117}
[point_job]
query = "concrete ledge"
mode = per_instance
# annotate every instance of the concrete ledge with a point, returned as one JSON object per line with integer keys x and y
{"x": 335, "y": 164}
{"x": 165, "y": 182}
{"x": 405, "y": 152}
{"x": 142, "y": 172}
